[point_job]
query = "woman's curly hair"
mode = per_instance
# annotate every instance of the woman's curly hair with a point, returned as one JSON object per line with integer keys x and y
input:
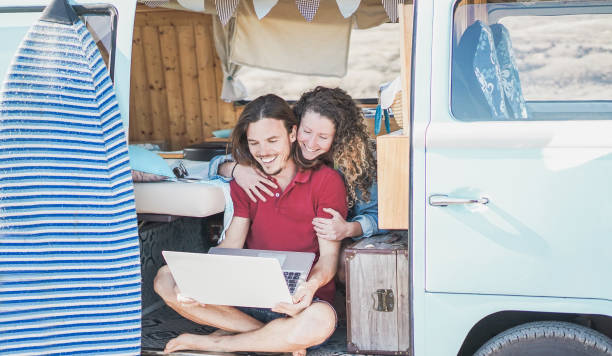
{"x": 352, "y": 151}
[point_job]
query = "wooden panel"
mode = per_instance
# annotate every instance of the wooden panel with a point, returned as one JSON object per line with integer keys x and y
{"x": 156, "y": 84}
{"x": 141, "y": 127}
{"x": 406, "y": 17}
{"x": 176, "y": 79}
{"x": 393, "y": 154}
{"x": 206, "y": 54}
{"x": 403, "y": 300}
{"x": 172, "y": 75}
{"x": 370, "y": 329}
{"x": 189, "y": 79}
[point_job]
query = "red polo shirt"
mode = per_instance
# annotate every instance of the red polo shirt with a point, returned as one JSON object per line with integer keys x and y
{"x": 284, "y": 222}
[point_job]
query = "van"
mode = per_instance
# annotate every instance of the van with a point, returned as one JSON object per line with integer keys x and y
{"x": 498, "y": 173}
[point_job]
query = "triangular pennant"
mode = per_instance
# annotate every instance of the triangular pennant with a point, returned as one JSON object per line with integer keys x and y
{"x": 391, "y": 9}
{"x": 308, "y": 8}
{"x": 262, "y": 7}
{"x": 193, "y": 5}
{"x": 154, "y": 3}
{"x": 225, "y": 9}
{"x": 348, "y": 7}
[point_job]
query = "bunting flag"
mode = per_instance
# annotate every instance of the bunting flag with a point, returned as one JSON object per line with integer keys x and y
{"x": 155, "y": 3}
{"x": 308, "y": 8}
{"x": 348, "y": 7}
{"x": 263, "y": 7}
{"x": 193, "y": 5}
{"x": 391, "y": 9}
{"x": 69, "y": 254}
{"x": 225, "y": 9}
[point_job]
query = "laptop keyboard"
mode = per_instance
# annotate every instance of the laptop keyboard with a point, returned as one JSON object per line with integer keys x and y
{"x": 292, "y": 279}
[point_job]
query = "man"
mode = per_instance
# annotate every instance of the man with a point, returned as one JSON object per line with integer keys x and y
{"x": 264, "y": 137}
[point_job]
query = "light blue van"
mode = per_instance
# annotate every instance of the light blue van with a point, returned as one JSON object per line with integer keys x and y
{"x": 510, "y": 174}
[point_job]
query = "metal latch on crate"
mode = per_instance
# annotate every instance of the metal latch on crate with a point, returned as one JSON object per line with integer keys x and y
{"x": 384, "y": 300}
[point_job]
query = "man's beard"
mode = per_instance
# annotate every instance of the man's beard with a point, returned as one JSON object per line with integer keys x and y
{"x": 261, "y": 168}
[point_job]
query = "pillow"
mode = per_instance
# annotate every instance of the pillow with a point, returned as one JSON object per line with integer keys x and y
{"x": 148, "y": 166}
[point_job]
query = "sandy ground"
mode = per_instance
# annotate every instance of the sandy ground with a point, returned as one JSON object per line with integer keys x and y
{"x": 559, "y": 64}
{"x": 373, "y": 60}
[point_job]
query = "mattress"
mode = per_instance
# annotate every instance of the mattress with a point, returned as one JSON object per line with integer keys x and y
{"x": 197, "y": 199}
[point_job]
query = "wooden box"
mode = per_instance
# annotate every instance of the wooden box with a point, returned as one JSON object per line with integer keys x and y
{"x": 377, "y": 295}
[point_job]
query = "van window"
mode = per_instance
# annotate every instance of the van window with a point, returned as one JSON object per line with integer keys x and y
{"x": 373, "y": 60}
{"x": 542, "y": 60}
{"x": 16, "y": 21}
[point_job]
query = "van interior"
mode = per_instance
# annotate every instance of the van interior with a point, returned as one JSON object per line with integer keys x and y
{"x": 177, "y": 82}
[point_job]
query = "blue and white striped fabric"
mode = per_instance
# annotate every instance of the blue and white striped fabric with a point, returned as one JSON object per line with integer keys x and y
{"x": 69, "y": 255}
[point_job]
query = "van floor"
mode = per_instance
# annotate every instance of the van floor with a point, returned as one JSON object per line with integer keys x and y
{"x": 163, "y": 324}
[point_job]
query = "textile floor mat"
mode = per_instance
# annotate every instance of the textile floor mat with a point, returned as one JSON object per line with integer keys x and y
{"x": 164, "y": 324}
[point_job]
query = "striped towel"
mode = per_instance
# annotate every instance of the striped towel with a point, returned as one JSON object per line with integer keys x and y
{"x": 69, "y": 255}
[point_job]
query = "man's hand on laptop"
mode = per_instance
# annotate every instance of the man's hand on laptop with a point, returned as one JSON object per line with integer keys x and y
{"x": 186, "y": 301}
{"x": 302, "y": 298}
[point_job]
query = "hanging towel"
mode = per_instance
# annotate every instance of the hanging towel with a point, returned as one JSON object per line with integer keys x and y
{"x": 283, "y": 41}
{"x": 70, "y": 265}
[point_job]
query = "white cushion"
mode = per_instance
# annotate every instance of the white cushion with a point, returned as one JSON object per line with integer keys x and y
{"x": 178, "y": 198}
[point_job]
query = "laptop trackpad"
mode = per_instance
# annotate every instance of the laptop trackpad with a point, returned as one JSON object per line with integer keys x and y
{"x": 279, "y": 257}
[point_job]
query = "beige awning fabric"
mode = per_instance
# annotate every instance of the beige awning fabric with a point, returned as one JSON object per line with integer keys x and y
{"x": 283, "y": 41}
{"x": 232, "y": 89}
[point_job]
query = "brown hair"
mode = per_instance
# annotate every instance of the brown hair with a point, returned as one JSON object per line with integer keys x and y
{"x": 352, "y": 151}
{"x": 266, "y": 106}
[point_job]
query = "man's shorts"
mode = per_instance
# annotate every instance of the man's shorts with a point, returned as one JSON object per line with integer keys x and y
{"x": 266, "y": 315}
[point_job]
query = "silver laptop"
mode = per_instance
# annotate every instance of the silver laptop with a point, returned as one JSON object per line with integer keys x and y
{"x": 239, "y": 277}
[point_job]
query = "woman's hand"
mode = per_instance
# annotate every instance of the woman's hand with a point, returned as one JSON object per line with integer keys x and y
{"x": 302, "y": 298}
{"x": 334, "y": 229}
{"x": 253, "y": 181}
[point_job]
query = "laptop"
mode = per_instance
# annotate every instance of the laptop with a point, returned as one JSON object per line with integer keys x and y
{"x": 239, "y": 277}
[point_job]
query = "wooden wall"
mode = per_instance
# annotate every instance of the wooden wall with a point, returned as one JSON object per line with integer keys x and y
{"x": 176, "y": 80}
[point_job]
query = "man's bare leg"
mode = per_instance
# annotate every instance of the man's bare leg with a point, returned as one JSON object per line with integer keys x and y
{"x": 220, "y": 316}
{"x": 293, "y": 334}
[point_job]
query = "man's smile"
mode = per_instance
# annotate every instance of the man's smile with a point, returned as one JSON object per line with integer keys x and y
{"x": 267, "y": 160}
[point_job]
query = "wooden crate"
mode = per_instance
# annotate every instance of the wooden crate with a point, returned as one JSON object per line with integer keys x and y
{"x": 377, "y": 295}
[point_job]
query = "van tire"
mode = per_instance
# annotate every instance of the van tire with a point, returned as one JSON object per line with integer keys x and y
{"x": 544, "y": 338}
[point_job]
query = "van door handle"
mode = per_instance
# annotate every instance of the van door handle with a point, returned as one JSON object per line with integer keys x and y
{"x": 445, "y": 200}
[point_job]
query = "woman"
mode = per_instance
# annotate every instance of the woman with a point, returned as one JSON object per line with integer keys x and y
{"x": 331, "y": 130}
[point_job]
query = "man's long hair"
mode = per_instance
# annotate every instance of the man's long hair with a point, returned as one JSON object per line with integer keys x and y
{"x": 264, "y": 107}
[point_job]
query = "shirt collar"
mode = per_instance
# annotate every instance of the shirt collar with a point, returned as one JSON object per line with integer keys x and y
{"x": 303, "y": 176}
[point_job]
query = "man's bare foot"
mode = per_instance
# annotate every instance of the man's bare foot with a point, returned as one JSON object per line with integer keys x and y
{"x": 299, "y": 353}
{"x": 189, "y": 342}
